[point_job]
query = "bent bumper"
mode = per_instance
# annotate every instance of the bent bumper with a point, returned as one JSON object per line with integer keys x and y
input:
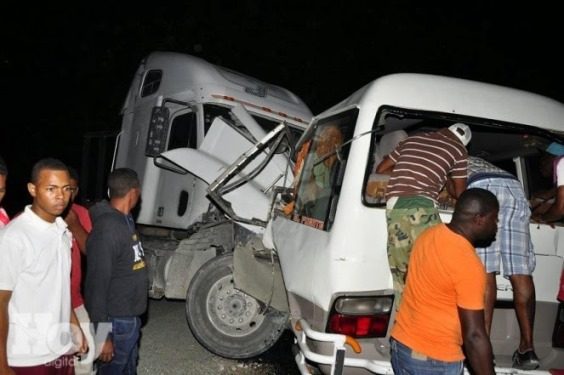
{"x": 339, "y": 362}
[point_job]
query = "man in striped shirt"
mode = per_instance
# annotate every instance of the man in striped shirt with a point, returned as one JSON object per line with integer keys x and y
{"x": 420, "y": 166}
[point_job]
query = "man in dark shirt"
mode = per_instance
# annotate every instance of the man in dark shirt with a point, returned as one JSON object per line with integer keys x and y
{"x": 116, "y": 278}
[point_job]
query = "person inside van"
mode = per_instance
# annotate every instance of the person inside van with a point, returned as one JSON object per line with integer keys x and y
{"x": 549, "y": 207}
{"x": 318, "y": 190}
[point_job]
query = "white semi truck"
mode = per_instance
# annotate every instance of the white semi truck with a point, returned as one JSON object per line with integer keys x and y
{"x": 330, "y": 239}
{"x": 184, "y": 107}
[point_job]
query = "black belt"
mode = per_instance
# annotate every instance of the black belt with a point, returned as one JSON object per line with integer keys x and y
{"x": 484, "y": 176}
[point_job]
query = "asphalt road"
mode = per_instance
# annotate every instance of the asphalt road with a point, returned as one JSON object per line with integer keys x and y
{"x": 168, "y": 347}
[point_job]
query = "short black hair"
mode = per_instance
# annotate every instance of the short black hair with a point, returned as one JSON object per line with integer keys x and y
{"x": 121, "y": 181}
{"x": 475, "y": 201}
{"x": 47, "y": 163}
{"x": 73, "y": 173}
{"x": 3, "y": 167}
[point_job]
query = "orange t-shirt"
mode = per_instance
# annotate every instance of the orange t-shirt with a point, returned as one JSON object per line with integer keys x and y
{"x": 444, "y": 273}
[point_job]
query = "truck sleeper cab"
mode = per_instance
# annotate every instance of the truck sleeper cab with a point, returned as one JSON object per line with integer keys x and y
{"x": 335, "y": 265}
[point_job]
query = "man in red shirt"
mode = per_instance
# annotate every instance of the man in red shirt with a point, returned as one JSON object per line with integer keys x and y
{"x": 4, "y": 219}
{"x": 78, "y": 221}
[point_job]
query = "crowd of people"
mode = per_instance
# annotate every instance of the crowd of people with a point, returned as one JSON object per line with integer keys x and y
{"x": 47, "y": 326}
{"x": 442, "y": 306}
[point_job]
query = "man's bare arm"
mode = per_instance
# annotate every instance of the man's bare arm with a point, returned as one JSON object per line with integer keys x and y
{"x": 476, "y": 342}
{"x": 457, "y": 185}
{"x": 79, "y": 338}
{"x": 556, "y": 211}
{"x": 386, "y": 166}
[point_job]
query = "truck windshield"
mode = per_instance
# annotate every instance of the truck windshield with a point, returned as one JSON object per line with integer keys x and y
{"x": 211, "y": 111}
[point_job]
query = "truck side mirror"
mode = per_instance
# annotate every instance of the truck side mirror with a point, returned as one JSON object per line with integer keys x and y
{"x": 158, "y": 131}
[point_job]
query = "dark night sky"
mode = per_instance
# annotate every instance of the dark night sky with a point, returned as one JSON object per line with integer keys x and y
{"x": 67, "y": 69}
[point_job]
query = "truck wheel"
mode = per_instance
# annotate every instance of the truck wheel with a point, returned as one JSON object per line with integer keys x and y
{"x": 226, "y": 321}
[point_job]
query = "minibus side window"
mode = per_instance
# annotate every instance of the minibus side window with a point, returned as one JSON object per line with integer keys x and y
{"x": 320, "y": 178}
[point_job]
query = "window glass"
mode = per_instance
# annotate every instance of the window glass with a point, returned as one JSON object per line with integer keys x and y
{"x": 211, "y": 111}
{"x": 500, "y": 143}
{"x": 319, "y": 180}
{"x": 151, "y": 83}
{"x": 183, "y": 131}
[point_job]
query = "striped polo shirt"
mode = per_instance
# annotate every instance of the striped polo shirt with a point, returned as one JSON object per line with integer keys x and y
{"x": 423, "y": 162}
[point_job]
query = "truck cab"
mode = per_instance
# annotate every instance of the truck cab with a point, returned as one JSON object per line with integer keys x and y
{"x": 172, "y": 103}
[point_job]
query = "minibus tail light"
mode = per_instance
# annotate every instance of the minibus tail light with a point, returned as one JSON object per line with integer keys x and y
{"x": 361, "y": 317}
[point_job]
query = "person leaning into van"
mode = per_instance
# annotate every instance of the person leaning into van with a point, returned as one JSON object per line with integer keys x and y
{"x": 420, "y": 166}
{"x": 443, "y": 302}
{"x": 513, "y": 247}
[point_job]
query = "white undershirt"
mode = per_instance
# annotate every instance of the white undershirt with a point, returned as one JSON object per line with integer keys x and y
{"x": 35, "y": 266}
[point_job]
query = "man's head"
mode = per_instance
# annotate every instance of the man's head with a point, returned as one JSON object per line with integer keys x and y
{"x": 475, "y": 216}
{"x": 330, "y": 138}
{"x": 50, "y": 188}
{"x": 3, "y": 177}
{"x": 462, "y": 132}
{"x": 124, "y": 185}
{"x": 74, "y": 179}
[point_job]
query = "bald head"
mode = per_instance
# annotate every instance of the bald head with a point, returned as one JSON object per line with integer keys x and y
{"x": 475, "y": 201}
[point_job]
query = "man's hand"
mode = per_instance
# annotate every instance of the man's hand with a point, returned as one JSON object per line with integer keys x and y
{"x": 79, "y": 340}
{"x": 80, "y": 344}
{"x": 107, "y": 351}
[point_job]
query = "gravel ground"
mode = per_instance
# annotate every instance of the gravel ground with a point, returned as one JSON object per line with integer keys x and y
{"x": 167, "y": 347}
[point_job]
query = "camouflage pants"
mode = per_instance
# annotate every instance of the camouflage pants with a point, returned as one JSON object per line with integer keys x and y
{"x": 406, "y": 221}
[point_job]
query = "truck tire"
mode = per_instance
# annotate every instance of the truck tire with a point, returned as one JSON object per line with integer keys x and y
{"x": 226, "y": 321}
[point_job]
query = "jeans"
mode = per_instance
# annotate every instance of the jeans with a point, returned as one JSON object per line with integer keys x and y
{"x": 406, "y": 362}
{"x": 125, "y": 332}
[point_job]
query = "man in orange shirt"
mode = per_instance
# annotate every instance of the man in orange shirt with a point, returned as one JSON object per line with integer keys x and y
{"x": 443, "y": 303}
